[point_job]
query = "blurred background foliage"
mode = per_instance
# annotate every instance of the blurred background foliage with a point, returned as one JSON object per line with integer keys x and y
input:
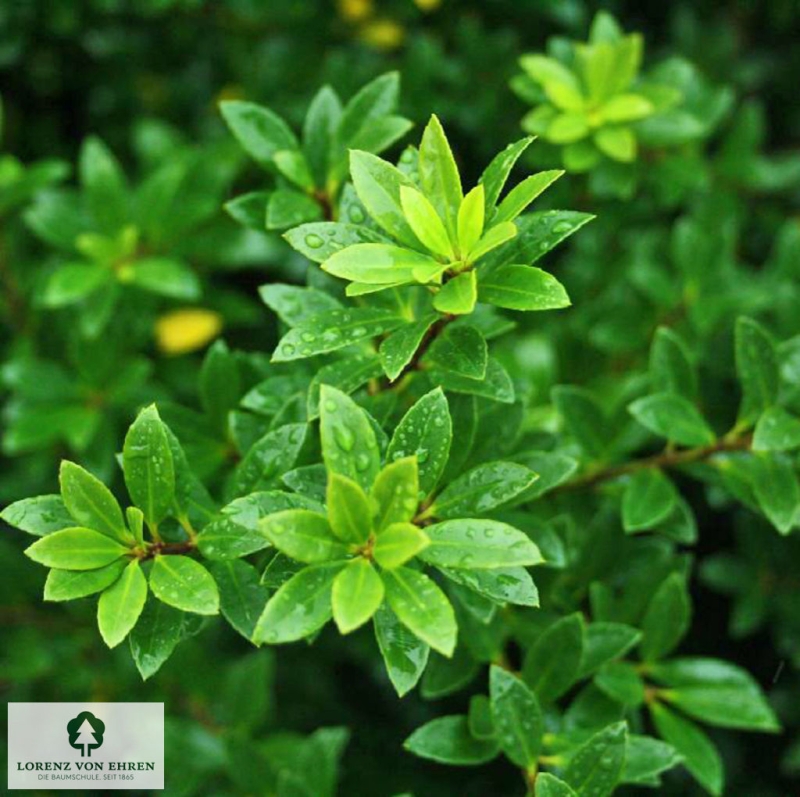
{"x": 692, "y": 234}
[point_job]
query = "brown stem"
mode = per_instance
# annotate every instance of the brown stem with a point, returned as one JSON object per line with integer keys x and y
{"x": 666, "y": 459}
{"x": 168, "y": 548}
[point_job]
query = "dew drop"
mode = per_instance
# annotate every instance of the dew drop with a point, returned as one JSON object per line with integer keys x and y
{"x": 314, "y": 241}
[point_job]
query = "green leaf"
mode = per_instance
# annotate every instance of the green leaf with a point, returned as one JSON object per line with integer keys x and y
{"x": 777, "y": 490}
{"x": 289, "y": 208}
{"x": 293, "y": 166}
{"x": 496, "y": 385}
{"x": 619, "y": 143}
{"x": 627, "y": 108}
{"x": 567, "y": 128}
{"x": 319, "y": 241}
{"x": 347, "y": 375}
{"x": 496, "y": 173}
{"x": 38, "y": 516}
{"x": 295, "y": 305}
{"x": 302, "y": 535}
{"x": 425, "y": 222}
{"x": 375, "y": 100}
{"x": 460, "y": 350}
{"x": 67, "y": 585}
{"x": 584, "y": 418}
{"x": 241, "y": 595}
{"x": 596, "y": 767}
{"x": 121, "y": 604}
{"x": 349, "y": 446}
{"x": 147, "y": 465}
{"x": 300, "y": 607}
{"x": 479, "y": 544}
{"x": 404, "y": 655}
{"x": 776, "y": 430}
{"x": 500, "y": 585}
{"x": 517, "y": 717}
{"x": 522, "y": 288}
{"x": 425, "y": 431}
{"x": 163, "y": 276}
{"x": 249, "y": 210}
{"x": 72, "y": 282}
{"x": 185, "y": 584}
{"x": 621, "y": 682}
{"x": 447, "y": 740}
{"x": 646, "y": 758}
{"x": 667, "y": 618}
{"x": 422, "y": 607}
{"x": 357, "y": 593}
{"x": 333, "y": 330}
{"x": 673, "y": 417}
{"x": 269, "y": 457}
{"x": 322, "y": 119}
{"x": 220, "y": 384}
{"x": 382, "y": 134}
{"x": 756, "y": 367}
{"x": 518, "y": 199}
{"x": 458, "y": 295}
{"x": 649, "y": 498}
{"x": 398, "y": 349}
{"x": 75, "y": 549}
{"x": 700, "y": 756}
{"x": 471, "y": 219}
{"x": 395, "y": 493}
{"x": 604, "y": 642}
{"x": 260, "y": 132}
{"x": 379, "y": 264}
{"x": 91, "y": 503}
{"x": 553, "y": 662}
{"x": 671, "y": 369}
{"x": 439, "y": 175}
{"x": 716, "y": 693}
{"x": 481, "y": 490}
{"x": 349, "y": 511}
{"x": 104, "y": 184}
{"x": 398, "y": 543}
{"x": 378, "y": 184}
{"x": 156, "y": 636}
{"x": 548, "y": 785}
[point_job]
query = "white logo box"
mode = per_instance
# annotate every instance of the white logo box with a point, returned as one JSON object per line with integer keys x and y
{"x": 85, "y": 746}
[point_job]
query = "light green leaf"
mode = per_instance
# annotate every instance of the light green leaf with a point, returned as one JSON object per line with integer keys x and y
{"x": 398, "y": 543}
{"x": 395, "y": 493}
{"x": 300, "y": 607}
{"x": 567, "y": 128}
{"x": 185, "y": 584}
{"x": 67, "y": 585}
{"x": 458, "y": 295}
{"x": 320, "y": 240}
{"x": 349, "y": 511}
{"x": 495, "y": 236}
{"x": 517, "y": 287}
{"x": 439, "y": 175}
{"x": 121, "y": 604}
{"x": 163, "y": 276}
{"x": 619, "y": 143}
{"x": 627, "y": 108}
{"x": 517, "y": 718}
{"x": 147, "y": 465}
{"x": 75, "y": 549}
{"x": 422, "y": 607}
{"x": 357, "y": 593}
{"x": 38, "y": 516}
{"x": 673, "y": 417}
{"x": 646, "y": 758}
{"x": 479, "y": 544}
{"x": 302, "y": 535}
{"x": 293, "y": 166}
{"x": 72, "y": 282}
{"x": 349, "y": 446}
{"x": 91, "y": 503}
{"x": 378, "y": 264}
{"x": 496, "y": 173}
{"x": 471, "y": 217}
{"x": 518, "y": 199}
{"x": 548, "y": 785}
{"x": 425, "y": 222}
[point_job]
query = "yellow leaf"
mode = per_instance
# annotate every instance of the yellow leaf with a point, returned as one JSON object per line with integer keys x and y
{"x": 187, "y": 329}
{"x": 383, "y": 34}
{"x": 355, "y": 10}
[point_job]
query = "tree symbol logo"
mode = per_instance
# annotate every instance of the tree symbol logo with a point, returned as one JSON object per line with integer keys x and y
{"x": 86, "y": 732}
